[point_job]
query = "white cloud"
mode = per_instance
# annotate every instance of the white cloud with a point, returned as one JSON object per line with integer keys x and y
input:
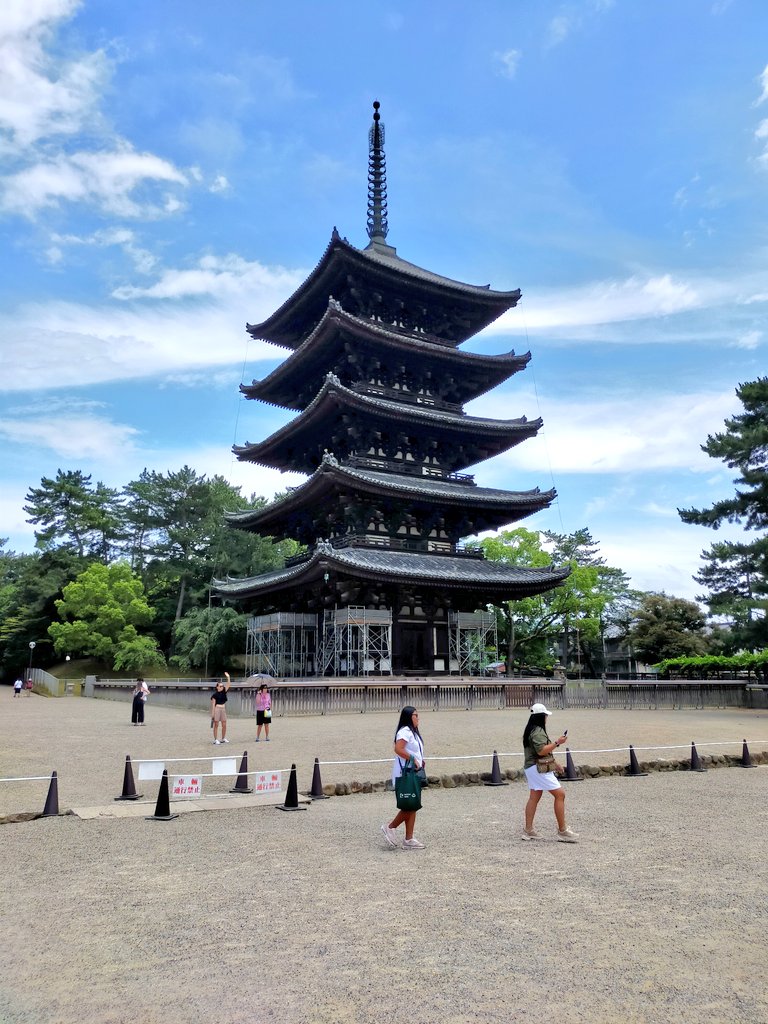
{"x": 214, "y": 276}
{"x": 219, "y": 184}
{"x": 104, "y": 179}
{"x": 61, "y": 344}
{"x": 48, "y": 101}
{"x": 201, "y": 379}
{"x": 15, "y": 527}
{"x": 622, "y": 434}
{"x": 659, "y": 558}
{"x": 39, "y": 96}
{"x": 508, "y": 62}
{"x": 74, "y": 433}
{"x": 636, "y": 298}
{"x": 143, "y": 260}
{"x": 750, "y": 340}
{"x": 763, "y": 87}
{"x": 662, "y": 557}
{"x": 607, "y": 302}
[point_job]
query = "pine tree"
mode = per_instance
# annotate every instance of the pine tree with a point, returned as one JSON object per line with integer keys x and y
{"x": 737, "y": 574}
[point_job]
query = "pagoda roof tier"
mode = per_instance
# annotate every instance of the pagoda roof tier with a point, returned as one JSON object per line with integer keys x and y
{"x": 343, "y": 421}
{"x": 306, "y": 511}
{"x": 376, "y": 282}
{"x": 348, "y": 345}
{"x": 494, "y": 582}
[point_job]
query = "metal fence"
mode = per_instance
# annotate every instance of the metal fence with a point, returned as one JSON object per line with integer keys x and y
{"x": 364, "y": 695}
{"x": 718, "y": 694}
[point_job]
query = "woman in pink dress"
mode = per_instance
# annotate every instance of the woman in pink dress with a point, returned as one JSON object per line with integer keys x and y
{"x": 263, "y": 711}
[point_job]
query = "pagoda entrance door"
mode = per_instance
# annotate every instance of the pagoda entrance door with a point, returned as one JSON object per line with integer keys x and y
{"x": 414, "y": 647}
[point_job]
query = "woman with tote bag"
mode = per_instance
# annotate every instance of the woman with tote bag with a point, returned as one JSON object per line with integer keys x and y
{"x": 408, "y": 762}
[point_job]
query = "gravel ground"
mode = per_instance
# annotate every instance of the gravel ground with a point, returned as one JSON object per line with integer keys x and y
{"x": 252, "y": 915}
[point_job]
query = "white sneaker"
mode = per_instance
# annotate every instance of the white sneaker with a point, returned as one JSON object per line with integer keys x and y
{"x": 413, "y": 844}
{"x": 567, "y": 836}
{"x": 527, "y": 836}
{"x": 390, "y": 835}
{"x": 225, "y": 740}
{"x": 216, "y": 743}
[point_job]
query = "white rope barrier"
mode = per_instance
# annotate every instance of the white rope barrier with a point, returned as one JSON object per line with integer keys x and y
{"x": 517, "y": 753}
{"x": 388, "y": 760}
{"x": 29, "y": 778}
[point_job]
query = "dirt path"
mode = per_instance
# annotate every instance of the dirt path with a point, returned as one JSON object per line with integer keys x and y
{"x": 253, "y": 915}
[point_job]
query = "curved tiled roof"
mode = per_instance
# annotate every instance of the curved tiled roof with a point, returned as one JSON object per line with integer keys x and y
{"x": 504, "y": 506}
{"x": 313, "y": 356}
{"x": 306, "y": 432}
{"x": 480, "y": 304}
{"x": 493, "y": 579}
{"x": 392, "y": 261}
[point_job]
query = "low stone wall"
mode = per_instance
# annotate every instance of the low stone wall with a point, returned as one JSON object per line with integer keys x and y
{"x": 585, "y": 771}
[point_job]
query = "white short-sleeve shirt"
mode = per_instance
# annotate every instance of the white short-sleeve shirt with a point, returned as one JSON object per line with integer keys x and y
{"x": 413, "y": 747}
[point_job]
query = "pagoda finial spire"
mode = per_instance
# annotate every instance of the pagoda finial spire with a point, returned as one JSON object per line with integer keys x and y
{"x": 377, "y": 181}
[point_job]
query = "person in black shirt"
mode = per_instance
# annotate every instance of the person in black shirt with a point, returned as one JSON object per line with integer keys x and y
{"x": 219, "y": 710}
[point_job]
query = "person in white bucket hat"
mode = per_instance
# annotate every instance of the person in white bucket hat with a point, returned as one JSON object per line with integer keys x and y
{"x": 541, "y": 771}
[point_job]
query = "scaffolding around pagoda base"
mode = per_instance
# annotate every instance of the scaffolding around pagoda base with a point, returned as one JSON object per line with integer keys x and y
{"x": 357, "y": 642}
{"x": 473, "y": 641}
{"x": 282, "y": 644}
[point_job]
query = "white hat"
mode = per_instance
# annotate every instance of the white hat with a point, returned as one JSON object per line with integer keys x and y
{"x": 539, "y": 709}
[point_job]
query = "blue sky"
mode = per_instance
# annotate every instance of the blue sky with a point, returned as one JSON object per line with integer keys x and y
{"x": 171, "y": 171}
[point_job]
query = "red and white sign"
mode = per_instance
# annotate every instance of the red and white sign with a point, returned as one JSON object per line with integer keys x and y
{"x": 187, "y": 787}
{"x": 266, "y": 782}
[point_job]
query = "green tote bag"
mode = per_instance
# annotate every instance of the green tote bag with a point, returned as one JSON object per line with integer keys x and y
{"x": 408, "y": 789}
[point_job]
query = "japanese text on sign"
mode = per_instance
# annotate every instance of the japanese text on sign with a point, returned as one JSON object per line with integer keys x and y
{"x": 187, "y": 787}
{"x": 266, "y": 782}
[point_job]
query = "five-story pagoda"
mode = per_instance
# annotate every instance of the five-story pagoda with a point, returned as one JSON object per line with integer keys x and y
{"x": 379, "y": 384}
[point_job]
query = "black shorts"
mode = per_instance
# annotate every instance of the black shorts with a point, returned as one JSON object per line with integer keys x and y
{"x": 261, "y": 720}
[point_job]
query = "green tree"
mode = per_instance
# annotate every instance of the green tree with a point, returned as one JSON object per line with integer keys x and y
{"x": 612, "y": 588}
{"x": 180, "y": 511}
{"x": 668, "y": 627}
{"x": 531, "y": 626}
{"x": 101, "y": 613}
{"x": 73, "y": 514}
{"x": 208, "y": 636}
{"x": 739, "y": 586}
{"x": 179, "y": 541}
{"x": 29, "y": 587}
{"x": 731, "y": 573}
{"x": 579, "y": 547}
{"x": 135, "y": 653}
